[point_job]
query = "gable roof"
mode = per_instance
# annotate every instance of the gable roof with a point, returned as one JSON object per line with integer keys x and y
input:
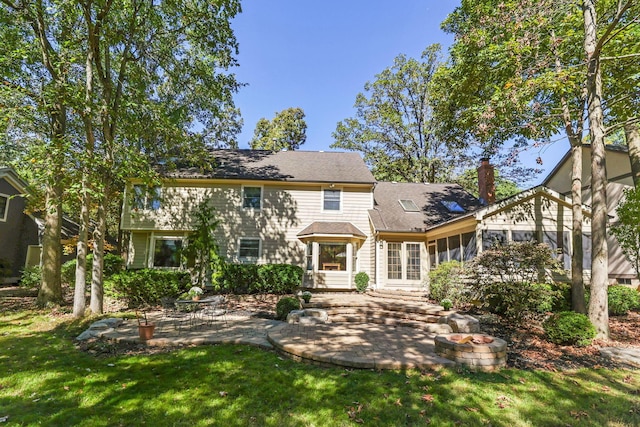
{"x": 320, "y": 228}
{"x": 291, "y": 166}
{"x": 389, "y": 215}
{"x": 13, "y": 178}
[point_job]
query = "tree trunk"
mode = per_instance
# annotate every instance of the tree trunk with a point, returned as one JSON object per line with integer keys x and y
{"x": 79, "y": 298}
{"x": 577, "y": 281}
{"x": 97, "y": 287}
{"x": 632, "y": 134}
{"x": 598, "y": 305}
{"x": 51, "y": 289}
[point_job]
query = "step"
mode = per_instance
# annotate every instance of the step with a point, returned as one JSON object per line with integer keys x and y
{"x": 360, "y": 312}
{"x": 396, "y": 306}
{"x": 436, "y": 328}
{"x": 420, "y": 296}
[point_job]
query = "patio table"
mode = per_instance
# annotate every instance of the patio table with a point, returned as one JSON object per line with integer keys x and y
{"x": 194, "y": 307}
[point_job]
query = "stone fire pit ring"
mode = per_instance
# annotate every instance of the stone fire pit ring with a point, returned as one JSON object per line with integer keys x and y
{"x": 477, "y": 352}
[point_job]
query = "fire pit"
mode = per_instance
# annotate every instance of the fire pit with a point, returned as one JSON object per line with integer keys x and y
{"x": 475, "y": 351}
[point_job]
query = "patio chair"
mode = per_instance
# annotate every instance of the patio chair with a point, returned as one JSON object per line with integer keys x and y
{"x": 215, "y": 311}
{"x": 171, "y": 314}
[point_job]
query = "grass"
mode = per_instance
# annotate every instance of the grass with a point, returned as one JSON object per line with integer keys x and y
{"x": 45, "y": 380}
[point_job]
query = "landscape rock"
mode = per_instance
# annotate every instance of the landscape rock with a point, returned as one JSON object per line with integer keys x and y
{"x": 308, "y": 316}
{"x": 461, "y": 323}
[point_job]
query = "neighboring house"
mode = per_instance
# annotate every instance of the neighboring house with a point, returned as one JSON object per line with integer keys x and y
{"x": 18, "y": 230}
{"x": 324, "y": 212}
{"x": 618, "y": 179}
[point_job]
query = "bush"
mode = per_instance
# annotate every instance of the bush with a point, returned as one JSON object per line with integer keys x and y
{"x": 622, "y": 299}
{"x": 31, "y": 277}
{"x": 113, "y": 264}
{"x": 267, "y": 278}
{"x": 285, "y": 306}
{"x": 568, "y": 327}
{"x": 362, "y": 281}
{"x": 148, "y": 286}
{"x": 446, "y": 282}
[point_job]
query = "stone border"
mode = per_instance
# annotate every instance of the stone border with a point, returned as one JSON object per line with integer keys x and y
{"x": 481, "y": 357}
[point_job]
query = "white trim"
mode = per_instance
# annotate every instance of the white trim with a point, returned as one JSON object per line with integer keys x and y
{"x": 6, "y": 207}
{"x": 249, "y": 259}
{"x": 329, "y": 188}
{"x": 261, "y": 187}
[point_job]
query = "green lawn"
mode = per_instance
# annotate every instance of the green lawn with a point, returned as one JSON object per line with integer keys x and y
{"x": 45, "y": 380}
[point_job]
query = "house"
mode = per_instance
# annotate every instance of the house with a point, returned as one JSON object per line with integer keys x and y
{"x": 303, "y": 208}
{"x": 619, "y": 178}
{"x": 325, "y": 212}
{"x": 18, "y": 230}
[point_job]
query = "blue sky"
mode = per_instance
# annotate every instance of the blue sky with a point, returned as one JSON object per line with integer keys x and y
{"x": 317, "y": 55}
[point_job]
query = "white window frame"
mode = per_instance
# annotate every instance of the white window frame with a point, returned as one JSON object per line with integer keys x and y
{"x": 404, "y": 253}
{"x": 346, "y": 256}
{"x": 249, "y": 259}
{"x": 6, "y": 207}
{"x": 152, "y": 252}
{"x": 147, "y": 201}
{"x": 261, "y": 197}
{"x": 324, "y": 190}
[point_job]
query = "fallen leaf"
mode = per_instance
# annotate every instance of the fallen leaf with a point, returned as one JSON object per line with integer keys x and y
{"x": 578, "y": 414}
{"x": 427, "y": 397}
{"x": 223, "y": 393}
{"x": 124, "y": 386}
{"x": 522, "y": 381}
{"x": 626, "y": 380}
{"x": 66, "y": 387}
{"x": 398, "y": 402}
{"x": 606, "y": 388}
{"x": 471, "y": 409}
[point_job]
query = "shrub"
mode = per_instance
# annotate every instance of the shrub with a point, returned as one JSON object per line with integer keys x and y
{"x": 446, "y": 282}
{"x": 622, "y": 299}
{"x": 362, "y": 281}
{"x": 285, "y": 305}
{"x": 112, "y": 264}
{"x": 511, "y": 280}
{"x": 447, "y": 304}
{"x": 279, "y": 278}
{"x": 31, "y": 277}
{"x": 267, "y": 278}
{"x": 568, "y": 327}
{"x": 148, "y": 286}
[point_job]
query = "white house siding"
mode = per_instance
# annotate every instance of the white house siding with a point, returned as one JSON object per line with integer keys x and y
{"x": 287, "y": 208}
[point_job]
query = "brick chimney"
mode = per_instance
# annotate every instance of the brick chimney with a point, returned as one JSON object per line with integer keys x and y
{"x": 486, "y": 182}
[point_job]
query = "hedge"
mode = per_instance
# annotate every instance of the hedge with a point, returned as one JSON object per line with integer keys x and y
{"x": 148, "y": 286}
{"x": 267, "y": 278}
{"x": 112, "y": 265}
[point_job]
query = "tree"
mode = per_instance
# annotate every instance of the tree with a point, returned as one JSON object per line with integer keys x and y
{"x": 287, "y": 131}
{"x": 201, "y": 251}
{"x": 627, "y": 230}
{"x": 393, "y": 127}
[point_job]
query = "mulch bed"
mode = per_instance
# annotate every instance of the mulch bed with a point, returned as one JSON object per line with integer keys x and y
{"x": 527, "y": 348}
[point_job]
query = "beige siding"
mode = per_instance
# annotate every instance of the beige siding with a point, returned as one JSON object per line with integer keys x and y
{"x": 286, "y": 210}
{"x": 138, "y": 250}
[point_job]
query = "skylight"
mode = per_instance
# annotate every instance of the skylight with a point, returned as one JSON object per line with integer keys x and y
{"x": 452, "y": 206}
{"x": 409, "y": 206}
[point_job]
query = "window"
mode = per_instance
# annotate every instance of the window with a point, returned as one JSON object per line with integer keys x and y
{"x": 413, "y": 261}
{"x": 559, "y": 242}
{"x": 309, "y": 256}
{"x": 452, "y": 206}
{"x": 403, "y": 261}
{"x": 146, "y": 197}
{"x": 442, "y": 251}
{"x": 333, "y": 256}
{"x": 249, "y": 249}
{"x": 454, "y": 248}
{"x": 432, "y": 256}
{"x": 4, "y": 207}
{"x": 331, "y": 200}
{"x": 394, "y": 261}
{"x": 623, "y": 281}
{"x": 586, "y": 251}
{"x": 409, "y": 206}
{"x": 167, "y": 252}
{"x": 469, "y": 245}
{"x": 252, "y": 197}
{"x": 523, "y": 236}
{"x": 492, "y": 238}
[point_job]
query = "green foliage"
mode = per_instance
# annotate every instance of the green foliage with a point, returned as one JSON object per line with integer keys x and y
{"x": 5, "y": 268}
{"x": 147, "y": 286}
{"x": 362, "y": 281}
{"x": 510, "y": 280}
{"x": 31, "y": 277}
{"x": 569, "y": 328}
{"x": 287, "y": 131}
{"x": 285, "y": 305}
{"x": 112, "y": 264}
{"x": 504, "y": 187}
{"x": 446, "y": 281}
{"x": 627, "y": 230}
{"x": 265, "y": 278}
{"x": 201, "y": 252}
{"x": 621, "y": 299}
{"x": 446, "y": 303}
